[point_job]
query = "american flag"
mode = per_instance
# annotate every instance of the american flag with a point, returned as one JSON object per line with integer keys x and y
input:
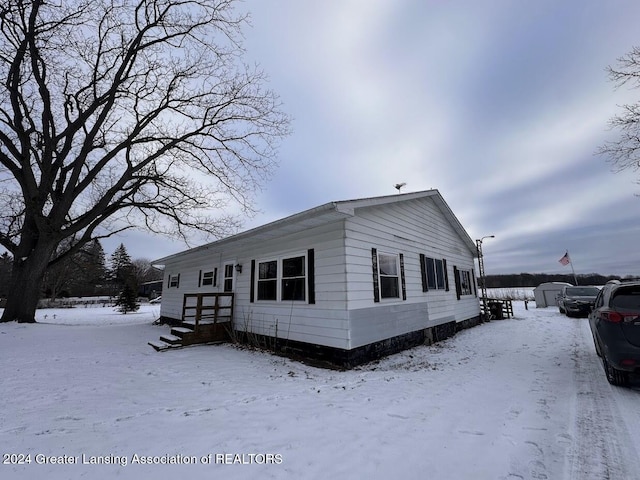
{"x": 565, "y": 260}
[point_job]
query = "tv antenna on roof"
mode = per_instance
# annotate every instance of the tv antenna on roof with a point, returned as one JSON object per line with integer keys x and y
{"x": 399, "y": 186}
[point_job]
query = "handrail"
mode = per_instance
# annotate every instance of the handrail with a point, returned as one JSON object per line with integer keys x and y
{"x": 506, "y": 304}
{"x": 201, "y": 307}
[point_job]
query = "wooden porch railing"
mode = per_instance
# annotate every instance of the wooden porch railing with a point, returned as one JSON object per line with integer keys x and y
{"x": 503, "y": 308}
{"x": 208, "y": 308}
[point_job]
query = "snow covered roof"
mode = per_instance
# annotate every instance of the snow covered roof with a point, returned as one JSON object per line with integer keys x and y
{"x": 327, "y": 213}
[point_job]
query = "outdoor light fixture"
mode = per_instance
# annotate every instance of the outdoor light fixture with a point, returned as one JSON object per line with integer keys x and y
{"x": 238, "y": 268}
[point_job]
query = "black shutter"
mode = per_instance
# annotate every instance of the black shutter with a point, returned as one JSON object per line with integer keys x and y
{"x": 473, "y": 282}
{"x": 446, "y": 275}
{"x": 374, "y": 262}
{"x": 178, "y": 286}
{"x": 311, "y": 275}
{"x": 423, "y": 273}
{"x": 215, "y": 277}
{"x": 199, "y": 278}
{"x": 169, "y": 281}
{"x": 402, "y": 281}
{"x": 253, "y": 281}
{"x": 457, "y": 279}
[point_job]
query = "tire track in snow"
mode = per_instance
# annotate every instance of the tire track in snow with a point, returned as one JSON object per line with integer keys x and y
{"x": 602, "y": 447}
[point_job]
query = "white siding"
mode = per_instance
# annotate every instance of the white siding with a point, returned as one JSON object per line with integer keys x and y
{"x": 322, "y": 323}
{"x": 412, "y": 228}
{"x": 345, "y": 314}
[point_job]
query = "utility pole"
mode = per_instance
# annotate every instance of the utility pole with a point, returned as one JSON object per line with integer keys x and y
{"x": 483, "y": 283}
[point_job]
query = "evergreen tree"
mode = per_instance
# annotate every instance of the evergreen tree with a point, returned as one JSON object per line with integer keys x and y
{"x": 93, "y": 268}
{"x": 126, "y": 301}
{"x": 76, "y": 275}
{"x": 121, "y": 266}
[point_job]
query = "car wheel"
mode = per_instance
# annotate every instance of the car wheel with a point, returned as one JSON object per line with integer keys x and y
{"x": 561, "y": 310}
{"x": 615, "y": 376}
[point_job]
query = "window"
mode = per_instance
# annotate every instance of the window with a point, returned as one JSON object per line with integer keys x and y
{"x": 436, "y": 273}
{"x": 626, "y": 297}
{"x": 465, "y": 282}
{"x": 174, "y": 281}
{"x": 228, "y": 278}
{"x": 599, "y": 302}
{"x": 208, "y": 278}
{"x": 388, "y": 272}
{"x": 268, "y": 280}
{"x": 284, "y": 279}
{"x": 293, "y": 279}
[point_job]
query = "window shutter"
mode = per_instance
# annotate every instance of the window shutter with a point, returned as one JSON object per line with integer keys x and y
{"x": 169, "y": 281}
{"x": 178, "y": 286}
{"x": 473, "y": 282}
{"x": 423, "y": 273}
{"x": 215, "y": 277}
{"x": 374, "y": 262}
{"x": 457, "y": 279}
{"x": 253, "y": 281}
{"x": 199, "y": 278}
{"x": 311, "y": 275}
{"x": 446, "y": 275}
{"x": 402, "y": 281}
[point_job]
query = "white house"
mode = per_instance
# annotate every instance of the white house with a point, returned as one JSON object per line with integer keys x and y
{"x": 346, "y": 282}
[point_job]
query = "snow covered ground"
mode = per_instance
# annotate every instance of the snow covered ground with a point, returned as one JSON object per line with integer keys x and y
{"x": 524, "y": 398}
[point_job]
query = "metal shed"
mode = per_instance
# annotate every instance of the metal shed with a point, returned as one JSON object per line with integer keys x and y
{"x": 545, "y": 293}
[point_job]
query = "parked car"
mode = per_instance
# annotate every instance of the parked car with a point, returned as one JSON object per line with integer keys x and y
{"x": 577, "y": 301}
{"x": 615, "y": 326}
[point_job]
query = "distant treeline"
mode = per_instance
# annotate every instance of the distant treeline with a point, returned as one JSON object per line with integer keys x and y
{"x": 535, "y": 279}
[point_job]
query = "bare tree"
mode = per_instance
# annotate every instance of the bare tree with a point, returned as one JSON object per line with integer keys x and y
{"x": 122, "y": 114}
{"x": 144, "y": 271}
{"x": 58, "y": 278}
{"x": 624, "y": 153}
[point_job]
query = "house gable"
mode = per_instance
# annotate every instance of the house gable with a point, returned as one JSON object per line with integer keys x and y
{"x": 413, "y": 231}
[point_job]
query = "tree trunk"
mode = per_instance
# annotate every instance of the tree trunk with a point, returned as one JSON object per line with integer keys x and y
{"x": 26, "y": 281}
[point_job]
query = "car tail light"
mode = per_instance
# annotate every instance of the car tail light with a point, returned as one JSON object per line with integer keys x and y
{"x": 611, "y": 317}
{"x": 617, "y": 317}
{"x": 628, "y": 362}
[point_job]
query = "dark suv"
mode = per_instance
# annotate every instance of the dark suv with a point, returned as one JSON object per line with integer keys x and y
{"x": 615, "y": 326}
{"x": 577, "y": 301}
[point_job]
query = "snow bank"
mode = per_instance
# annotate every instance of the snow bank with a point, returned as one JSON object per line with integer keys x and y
{"x": 96, "y": 315}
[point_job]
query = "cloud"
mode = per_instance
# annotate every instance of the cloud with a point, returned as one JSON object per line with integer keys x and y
{"x": 498, "y": 104}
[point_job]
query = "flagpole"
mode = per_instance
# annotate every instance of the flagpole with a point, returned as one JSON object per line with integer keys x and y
{"x": 565, "y": 260}
{"x": 575, "y": 279}
{"x": 574, "y": 275}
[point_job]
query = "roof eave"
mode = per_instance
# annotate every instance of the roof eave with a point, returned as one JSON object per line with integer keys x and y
{"x": 324, "y": 214}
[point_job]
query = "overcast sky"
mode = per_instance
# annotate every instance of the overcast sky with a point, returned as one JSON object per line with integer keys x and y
{"x": 500, "y": 105}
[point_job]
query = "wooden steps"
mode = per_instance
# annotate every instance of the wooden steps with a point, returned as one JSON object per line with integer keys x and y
{"x": 160, "y": 345}
{"x": 181, "y": 330}
{"x": 171, "y": 339}
{"x": 187, "y": 334}
{"x": 206, "y": 318}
